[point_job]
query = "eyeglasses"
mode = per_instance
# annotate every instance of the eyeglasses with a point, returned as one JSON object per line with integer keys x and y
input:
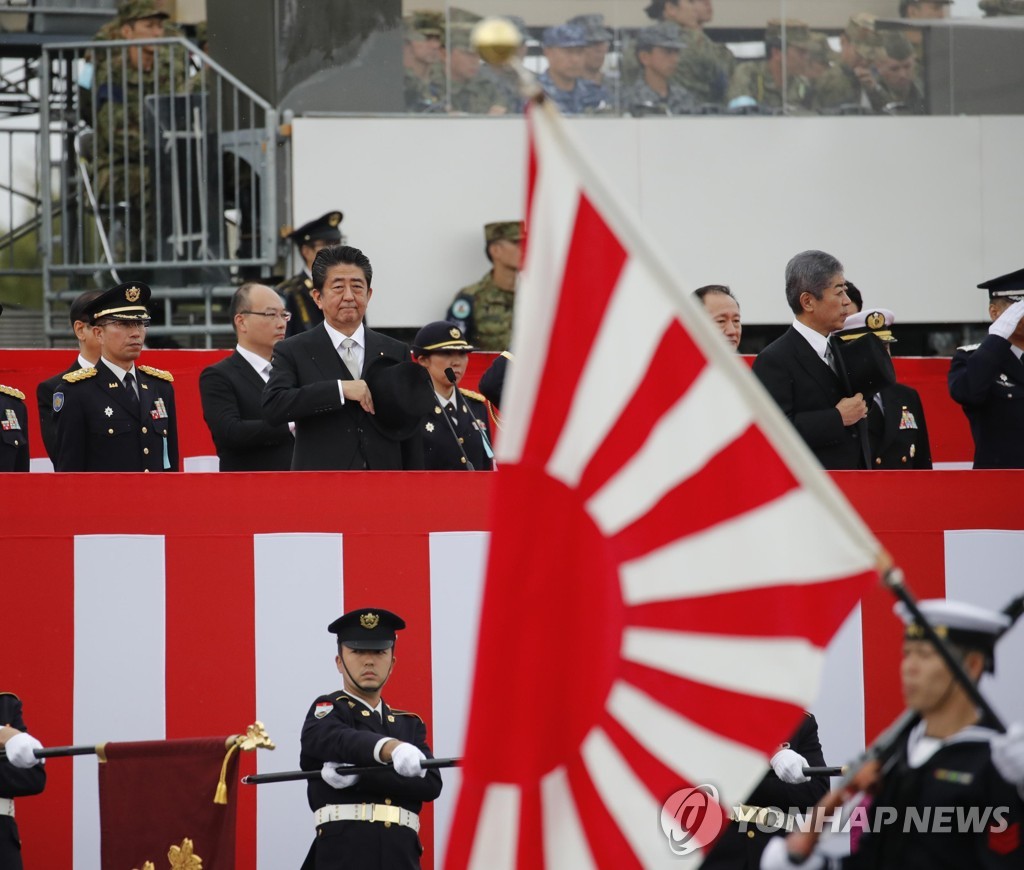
{"x": 284, "y": 315}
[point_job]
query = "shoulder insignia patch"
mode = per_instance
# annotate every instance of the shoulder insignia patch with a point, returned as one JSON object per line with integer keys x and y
{"x": 969, "y": 347}
{"x": 80, "y": 375}
{"x": 12, "y": 391}
{"x": 322, "y": 708}
{"x": 462, "y": 308}
{"x": 472, "y": 395}
{"x": 395, "y": 712}
{"x": 157, "y": 373}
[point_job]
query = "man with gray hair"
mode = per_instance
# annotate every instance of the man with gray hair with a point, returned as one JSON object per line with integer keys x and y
{"x": 802, "y": 371}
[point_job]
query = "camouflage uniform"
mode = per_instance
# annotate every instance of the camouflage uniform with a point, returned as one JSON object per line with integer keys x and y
{"x": 993, "y": 8}
{"x": 753, "y": 79}
{"x": 477, "y": 95}
{"x": 840, "y": 85}
{"x": 642, "y": 99}
{"x": 585, "y": 98}
{"x": 425, "y": 95}
{"x": 705, "y": 66}
{"x": 484, "y": 312}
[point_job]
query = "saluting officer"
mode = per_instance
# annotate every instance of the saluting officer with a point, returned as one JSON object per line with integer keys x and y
{"x": 366, "y": 820}
{"x": 897, "y": 430}
{"x": 987, "y": 379}
{"x": 456, "y": 436}
{"x": 13, "y": 429}
{"x": 298, "y": 290}
{"x": 117, "y": 416}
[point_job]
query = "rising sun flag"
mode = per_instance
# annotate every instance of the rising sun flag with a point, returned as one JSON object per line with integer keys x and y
{"x": 667, "y": 562}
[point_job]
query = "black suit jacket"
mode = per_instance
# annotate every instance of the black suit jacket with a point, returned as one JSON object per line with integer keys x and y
{"x": 330, "y": 435}
{"x": 899, "y": 436}
{"x": 15, "y": 783}
{"x": 988, "y": 381}
{"x": 807, "y": 391}
{"x": 47, "y": 420}
{"x": 232, "y": 395}
{"x": 100, "y": 429}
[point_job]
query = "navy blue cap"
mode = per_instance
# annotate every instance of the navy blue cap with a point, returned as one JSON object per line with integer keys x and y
{"x": 367, "y": 628}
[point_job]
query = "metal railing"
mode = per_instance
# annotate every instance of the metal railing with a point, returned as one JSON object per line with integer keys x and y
{"x": 162, "y": 167}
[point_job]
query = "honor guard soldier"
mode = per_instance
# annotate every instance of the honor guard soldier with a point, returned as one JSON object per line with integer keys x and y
{"x": 366, "y": 820}
{"x": 897, "y": 431}
{"x": 297, "y": 290}
{"x": 456, "y": 436}
{"x": 117, "y": 416}
{"x": 21, "y": 775}
{"x": 14, "y": 434}
{"x": 952, "y": 792}
{"x": 987, "y": 379}
{"x": 483, "y": 311}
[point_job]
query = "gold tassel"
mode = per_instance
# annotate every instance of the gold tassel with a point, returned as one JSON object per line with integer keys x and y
{"x": 255, "y": 737}
{"x": 221, "y": 796}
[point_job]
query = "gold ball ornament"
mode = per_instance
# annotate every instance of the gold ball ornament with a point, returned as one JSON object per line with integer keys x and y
{"x": 496, "y": 40}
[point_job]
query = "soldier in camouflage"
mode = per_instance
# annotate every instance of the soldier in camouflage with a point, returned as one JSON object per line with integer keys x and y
{"x": 853, "y": 82}
{"x": 993, "y": 8}
{"x": 424, "y": 84}
{"x": 761, "y": 80}
{"x": 705, "y": 66}
{"x": 122, "y": 155}
{"x": 599, "y": 41}
{"x": 897, "y": 75}
{"x": 297, "y": 290}
{"x": 565, "y": 48}
{"x": 471, "y": 93}
{"x": 506, "y": 79}
{"x": 484, "y": 310}
{"x": 657, "y": 50}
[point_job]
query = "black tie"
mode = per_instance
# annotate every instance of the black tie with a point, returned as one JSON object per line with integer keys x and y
{"x": 129, "y": 384}
{"x": 830, "y": 357}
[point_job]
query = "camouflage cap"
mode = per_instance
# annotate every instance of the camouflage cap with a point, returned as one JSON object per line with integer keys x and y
{"x": 456, "y": 15}
{"x": 594, "y": 27}
{"x": 992, "y": 8}
{"x": 896, "y": 45}
{"x": 861, "y": 32}
{"x": 664, "y": 34}
{"x": 821, "y": 51}
{"x": 511, "y": 231}
{"x": 796, "y": 32}
{"x": 458, "y": 37}
{"x": 565, "y": 36}
{"x": 427, "y": 22}
{"x": 132, "y": 10}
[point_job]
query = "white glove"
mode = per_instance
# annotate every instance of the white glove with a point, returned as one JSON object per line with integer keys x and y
{"x": 406, "y": 759}
{"x": 775, "y": 857}
{"x": 1007, "y": 752}
{"x": 1006, "y": 323}
{"x": 19, "y": 750}
{"x": 789, "y": 766}
{"x": 329, "y": 774}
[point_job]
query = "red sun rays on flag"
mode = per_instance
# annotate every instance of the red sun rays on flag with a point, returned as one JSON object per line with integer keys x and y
{"x": 655, "y": 615}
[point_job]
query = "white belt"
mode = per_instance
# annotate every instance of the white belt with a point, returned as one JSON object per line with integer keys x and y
{"x": 386, "y": 813}
{"x": 765, "y": 817}
{"x": 6, "y": 807}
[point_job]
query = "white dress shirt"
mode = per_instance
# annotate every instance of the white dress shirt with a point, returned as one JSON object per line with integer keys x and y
{"x": 358, "y": 349}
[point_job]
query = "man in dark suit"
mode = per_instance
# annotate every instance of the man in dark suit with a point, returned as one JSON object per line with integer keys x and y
{"x": 897, "y": 431}
{"x": 321, "y": 379}
{"x": 799, "y": 368}
{"x": 21, "y": 775}
{"x": 987, "y": 379}
{"x": 117, "y": 416}
{"x": 88, "y": 356}
{"x": 355, "y": 726}
{"x": 232, "y": 389}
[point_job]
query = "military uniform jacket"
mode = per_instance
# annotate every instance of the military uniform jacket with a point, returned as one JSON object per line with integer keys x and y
{"x": 441, "y": 442}
{"x": 330, "y": 435}
{"x": 959, "y": 775}
{"x": 47, "y": 418}
{"x": 736, "y": 849}
{"x": 232, "y": 395}
{"x": 807, "y": 391}
{"x": 484, "y": 313}
{"x": 642, "y": 99}
{"x": 341, "y": 728}
{"x": 13, "y": 431}
{"x": 899, "y": 436}
{"x": 99, "y": 428}
{"x": 298, "y": 299}
{"x": 988, "y": 381}
{"x": 753, "y": 79}
{"x": 15, "y": 783}
{"x": 584, "y": 98}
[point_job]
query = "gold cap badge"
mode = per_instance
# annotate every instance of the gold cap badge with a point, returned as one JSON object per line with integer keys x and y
{"x": 454, "y": 333}
{"x": 369, "y": 620}
{"x": 132, "y": 294}
{"x": 875, "y": 320}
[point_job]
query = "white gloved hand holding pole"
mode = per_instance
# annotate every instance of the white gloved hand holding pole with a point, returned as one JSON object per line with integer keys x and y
{"x": 1008, "y": 755}
{"x": 20, "y": 750}
{"x": 330, "y": 774}
{"x": 789, "y": 766}
{"x": 406, "y": 759}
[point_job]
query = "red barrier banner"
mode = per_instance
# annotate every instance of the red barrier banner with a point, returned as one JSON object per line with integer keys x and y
{"x": 150, "y": 608}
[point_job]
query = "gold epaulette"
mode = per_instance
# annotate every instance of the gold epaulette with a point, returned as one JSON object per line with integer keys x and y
{"x": 12, "y": 391}
{"x": 507, "y": 354}
{"x": 395, "y": 712}
{"x": 472, "y": 395}
{"x": 157, "y": 373}
{"x": 80, "y": 375}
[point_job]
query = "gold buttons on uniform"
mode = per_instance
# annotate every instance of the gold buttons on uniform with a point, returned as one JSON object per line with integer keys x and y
{"x": 750, "y": 834}
{"x": 145, "y": 450}
{"x": 111, "y": 431}
{"x": 387, "y": 801}
{"x": 145, "y": 430}
{"x": 463, "y": 460}
{"x": 366, "y": 713}
{"x": 904, "y": 459}
{"x": 461, "y": 441}
{"x": 878, "y": 461}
